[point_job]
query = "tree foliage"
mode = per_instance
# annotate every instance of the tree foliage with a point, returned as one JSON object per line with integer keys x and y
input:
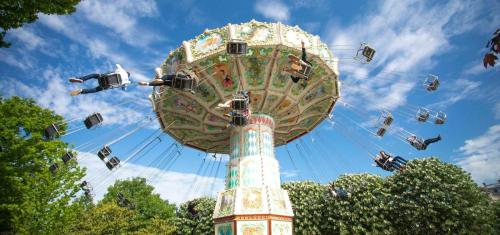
{"x": 16, "y": 13}
{"x": 308, "y": 203}
{"x": 363, "y": 211}
{"x": 432, "y": 197}
{"x": 142, "y": 198}
{"x": 33, "y": 199}
{"x": 108, "y": 218}
{"x": 195, "y": 217}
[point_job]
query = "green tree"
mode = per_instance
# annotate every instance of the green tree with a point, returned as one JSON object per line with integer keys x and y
{"x": 32, "y": 198}
{"x": 195, "y": 217}
{"x": 363, "y": 211}
{"x": 432, "y": 197}
{"x": 16, "y": 13}
{"x": 141, "y": 197}
{"x": 108, "y": 218}
{"x": 308, "y": 203}
{"x": 496, "y": 206}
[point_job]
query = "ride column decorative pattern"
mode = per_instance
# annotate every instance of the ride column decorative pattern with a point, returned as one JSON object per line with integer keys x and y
{"x": 253, "y": 201}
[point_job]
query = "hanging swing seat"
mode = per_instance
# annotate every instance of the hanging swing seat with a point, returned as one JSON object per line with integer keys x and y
{"x": 239, "y": 103}
{"x": 237, "y": 48}
{"x": 93, "y": 120}
{"x": 440, "y": 118}
{"x": 110, "y": 81}
{"x": 104, "y": 152}
{"x": 365, "y": 53}
{"x": 422, "y": 114}
{"x": 240, "y": 119}
{"x": 112, "y": 163}
{"x": 53, "y": 168}
{"x": 381, "y": 131}
{"x": 67, "y": 157}
{"x": 386, "y": 118}
{"x": 299, "y": 67}
{"x": 185, "y": 81}
{"x": 431, "y": 83}
{"x": 52, "y": 131}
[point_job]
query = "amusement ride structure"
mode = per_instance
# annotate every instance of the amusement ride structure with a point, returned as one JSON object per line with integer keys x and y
{"x": 281, "y": 111}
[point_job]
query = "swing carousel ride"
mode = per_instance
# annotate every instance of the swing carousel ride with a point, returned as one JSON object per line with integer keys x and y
{"x": 242, "y": 90}
{"x": 282, "y": 111}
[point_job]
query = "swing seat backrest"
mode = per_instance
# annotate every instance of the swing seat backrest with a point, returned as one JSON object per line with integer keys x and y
{"x": 93, "y": 120}
{"x": 51, "y": 132}
{"x": 368, "y": 52}
{"x": 381, "y": 131}
{"x": 53, "y": 168}
{"x": 67, "y": 157}
{"x": 388, "y": 120}
{"x": 104, "y": 152}
{"x": 422, "y": 115}
{"x": 112, "y": 163}
{"x": 237, "y": 48}
{"x": 110, "y": 81}
{"x": 305, "y": 70}
{"x": 183, "y": 82}
{"x": 240, "y": 120}
{"x": 239, "y": 104}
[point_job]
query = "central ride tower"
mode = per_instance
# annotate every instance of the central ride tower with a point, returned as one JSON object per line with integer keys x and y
{"x": 253, "y": 201}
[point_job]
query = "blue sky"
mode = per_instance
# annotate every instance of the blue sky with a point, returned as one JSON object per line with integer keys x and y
{"x": 412, "y": 38}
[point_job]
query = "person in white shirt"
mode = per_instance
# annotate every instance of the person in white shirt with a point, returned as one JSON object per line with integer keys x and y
{"x": 118, "y": 78}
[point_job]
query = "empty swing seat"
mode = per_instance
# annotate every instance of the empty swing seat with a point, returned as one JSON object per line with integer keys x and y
{"x": 368, "y": 52}
{"x": 422, "y": 115}
{"x": 67, "y": 157}
{"x": 51, "y": 132}
{"x": 112, "y": 163}
{"x": 388, "y": 120}
{"x": 239, "y": 104}
{"x": 237, "y": 48}
{"x": 112, "y": 80}
{"x": 365, "y": 53}
{"x": 240, "y": 120}
{"x": 93, "y": 120}
{"x": 104, "y": 152}
{"x": 53, "y": 168}
{"x": 381, "y": 131}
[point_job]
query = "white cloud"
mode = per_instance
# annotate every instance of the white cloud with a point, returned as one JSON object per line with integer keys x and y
{"x": 273, "y": 9}
{"x": 54, "y": 91}
{"x": 289, "y": 174}
{"x": 171, "y": 185}
{"x": 121, "y": 18}
{"x": 27, "y": 37}
{"x": 99, "y": 48}
{"x": 407, "y": 35}
{"x": 496, "y": 110}
{"x": 482, "y": 155}
{"x": 457, "y": 90}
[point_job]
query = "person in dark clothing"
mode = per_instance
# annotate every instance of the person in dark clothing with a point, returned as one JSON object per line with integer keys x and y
{"x": 118, "y": 78}
{"x": 382, "y": 161}
{"x": 183, "y": 80}
{"x": 420, "y": 144}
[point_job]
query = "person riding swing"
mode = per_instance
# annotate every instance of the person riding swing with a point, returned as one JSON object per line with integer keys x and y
{"x": 182, "y": 80}
{"x": 299, "y": 68}
{"x": 118, "y": 78}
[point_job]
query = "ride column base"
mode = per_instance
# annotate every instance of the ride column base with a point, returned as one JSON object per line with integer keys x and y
{"x": 253, "y": 201}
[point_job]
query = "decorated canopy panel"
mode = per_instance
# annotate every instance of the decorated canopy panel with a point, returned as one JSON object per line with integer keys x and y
{"x": 296, "y": 108}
